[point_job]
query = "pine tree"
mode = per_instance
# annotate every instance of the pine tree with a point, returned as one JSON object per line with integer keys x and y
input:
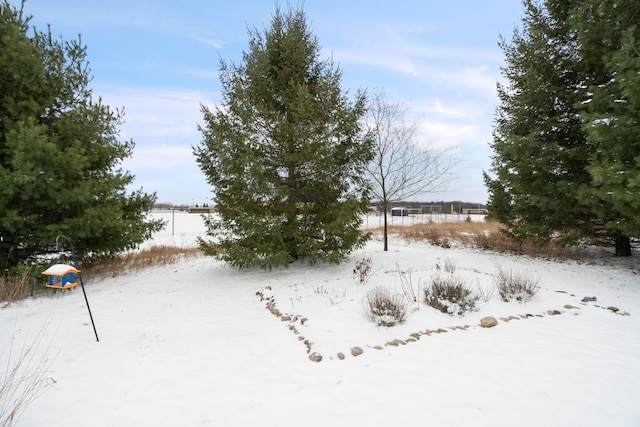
{"x": 609, "y": 36}
{"x": 567, "y": 138}
{"x": 285, "y": 154}
{"x": 540, "y": 148}
{"x": 59, "y": 153}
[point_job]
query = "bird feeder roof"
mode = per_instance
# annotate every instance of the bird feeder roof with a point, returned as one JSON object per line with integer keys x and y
{"x": 60, "y": 270}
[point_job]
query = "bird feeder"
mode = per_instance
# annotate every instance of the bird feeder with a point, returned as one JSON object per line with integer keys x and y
{"x": 61, "y": 276}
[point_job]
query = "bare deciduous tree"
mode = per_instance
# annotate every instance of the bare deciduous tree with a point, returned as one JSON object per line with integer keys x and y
{"x": 402, "y": 168}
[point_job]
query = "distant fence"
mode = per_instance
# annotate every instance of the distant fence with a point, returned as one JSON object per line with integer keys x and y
{"x": 202, "y": 210}
{"x": 475, "y": 211}
{"x": 375, "y": 219}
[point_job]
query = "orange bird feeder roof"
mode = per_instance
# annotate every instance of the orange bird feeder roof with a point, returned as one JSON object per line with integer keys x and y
{"x": 60, "y": 270}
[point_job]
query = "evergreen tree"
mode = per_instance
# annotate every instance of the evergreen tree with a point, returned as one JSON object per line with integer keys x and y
{"x": 609, "y": 37}
{"x": 540, "y": 148}
{"x": 59, "y": 153}
{"x": 285, "y": 154}
{"x": 567, "y": 138}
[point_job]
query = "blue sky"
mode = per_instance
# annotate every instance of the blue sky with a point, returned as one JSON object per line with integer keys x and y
{"x": 159, "y": 60}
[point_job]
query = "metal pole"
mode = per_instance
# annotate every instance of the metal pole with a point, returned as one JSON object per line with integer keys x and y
{"x": 75, "y": 259}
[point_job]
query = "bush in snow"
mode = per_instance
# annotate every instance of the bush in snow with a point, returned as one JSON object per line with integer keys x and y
{"x": 515, "y": 286}
{"x": 362, "y": 270}
{"x": 384, "y": 308}
{"x": 450, "y": 294}
{"x": 449, "y": 266}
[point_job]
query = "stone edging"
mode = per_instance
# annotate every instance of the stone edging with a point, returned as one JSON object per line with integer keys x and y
{"x": 485, "y": 322}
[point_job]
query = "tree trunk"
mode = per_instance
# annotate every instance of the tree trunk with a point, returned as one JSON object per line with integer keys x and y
{"x": 291, "y": 225}
{"x": 385, "y": 205}
{"x": 623, "y": 246}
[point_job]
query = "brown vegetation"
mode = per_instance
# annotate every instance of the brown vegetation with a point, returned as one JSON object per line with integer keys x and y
{"x": 25, "y": 379}
{"x": 487, "y": 235}
{"x": 483, "y": 235}
{"x": 137, "y": 260}
{"x": 27, "y": 282}
{"x": 16, "y": 287}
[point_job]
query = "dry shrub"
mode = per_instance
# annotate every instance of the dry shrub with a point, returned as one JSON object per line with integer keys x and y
{"x": 499, "y": 241}
{"x": 137, "y": 260}
{"x": 406, "y": 282}
{"x": 496, "y": 240}
{"x": 450, "y": 265}
{"x": 362, "y": 270}
{"x": 24, "y": 283}
{"x": 16, "y": 287}
{"x": 442, "y": 234}
{"x": 450, "y": 294}
{"x": 512, "y": 285}
{"x": 384, "y": 308}
{"x": 487, "y": 235}
{"x": 23, "y": 380}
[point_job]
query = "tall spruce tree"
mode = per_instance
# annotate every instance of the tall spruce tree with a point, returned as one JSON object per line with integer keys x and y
{"x": 59, "y": 152}
{"x": 566, "y": 141}
{"x": 609, "y": 35}
{"x": 540, "y": 147}
{"x": 285, "y": 154}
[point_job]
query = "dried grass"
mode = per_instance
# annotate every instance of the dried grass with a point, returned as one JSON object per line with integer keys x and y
{"x": 450, "y": 294}
{"x": 385, "y": 308}
{"x": 513, "y": 285}
{"x": 16, "y": 287}
{"x": 24, "y": 284}
{"x": 443, "y": 234}
{"x": 362, "y": 270}
{"x": 137, "y": 260}
{"x": 487, "y": 235}
{"x": 498, "y": 241}
{"x": 23, "y": 380}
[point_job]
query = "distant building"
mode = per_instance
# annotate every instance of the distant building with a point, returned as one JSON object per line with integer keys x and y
{"x": 399, "y": 212}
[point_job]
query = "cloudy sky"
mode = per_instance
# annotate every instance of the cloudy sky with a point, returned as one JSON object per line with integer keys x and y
{"x": 159, "y": 59}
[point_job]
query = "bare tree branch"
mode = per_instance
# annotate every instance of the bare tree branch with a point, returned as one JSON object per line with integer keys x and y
{"x": 402, "y": 169}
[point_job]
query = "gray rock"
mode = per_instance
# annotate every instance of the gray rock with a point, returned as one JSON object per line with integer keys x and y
{"x": 315, "y": 357}
{"x": 356, "y": 351}
{"x": 488, "y": 322}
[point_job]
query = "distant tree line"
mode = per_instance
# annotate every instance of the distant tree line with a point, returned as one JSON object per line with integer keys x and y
{"x": 441, "y": 206}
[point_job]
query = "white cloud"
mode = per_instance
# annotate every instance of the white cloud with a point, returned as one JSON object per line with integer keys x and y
{"x": 164, "y": 126}
{"x": 158, "y": 158}
{"x": 402, "y": 46}
{"x": 448, "y": 110}
{"x": 163, "y": 116}
{"x": 202, "y": 72}
{"x": 478, "y": 78}
{"x": 210, "y": 42}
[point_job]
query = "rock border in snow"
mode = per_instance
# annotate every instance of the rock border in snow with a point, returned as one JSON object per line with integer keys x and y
{"x": 485, "y": 322}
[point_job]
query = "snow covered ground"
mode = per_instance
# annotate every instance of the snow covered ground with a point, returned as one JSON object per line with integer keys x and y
{"x": 194, "y": 344}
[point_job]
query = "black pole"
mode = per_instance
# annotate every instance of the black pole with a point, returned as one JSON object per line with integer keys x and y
{"x": 75, "y": 259}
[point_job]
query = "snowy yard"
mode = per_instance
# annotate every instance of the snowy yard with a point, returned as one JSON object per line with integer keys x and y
{"x": 194, "y": 344}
